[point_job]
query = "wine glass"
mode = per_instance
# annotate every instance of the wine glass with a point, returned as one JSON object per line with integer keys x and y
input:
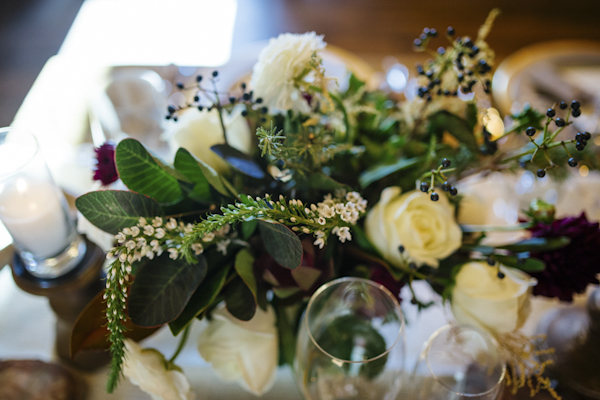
{"x": 350, "y": 343}
{"x": 459, "y": 362}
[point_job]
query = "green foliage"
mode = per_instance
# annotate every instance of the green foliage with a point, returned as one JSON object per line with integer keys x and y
{"x": 162, "y": 289}
{"x": 114, "y": 210}
{"x": 239, "y": 300}
{"x": 282, "y": 244}
{"x": 142, "y": 173}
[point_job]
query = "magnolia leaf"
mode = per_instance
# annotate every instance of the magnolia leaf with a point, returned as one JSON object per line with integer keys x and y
{"x": 90, "y": 331}
{"x": 142, "y": 173}
{"x": 113, "y": 210}
{"x": 444, "y": 121}
{"x": 162, "y": 289}
{"x": 282, "y": 244}
{"x": 198, "y": 171}
{"x": 524, "y": 264}
{"x": 374, "y": 174}
{"x": 239, "y": 300}
{"x": 202, "y": 298}
{"x": 238, "y": 160}
{"x": 537, "y": 244}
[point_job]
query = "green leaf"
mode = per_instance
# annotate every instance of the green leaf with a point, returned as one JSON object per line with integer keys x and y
{"x": 113, "y": 210}
{"x": 537, "y": 244}
{"x": 284, "y": 293}
{"x": 323, "y": 182}
{"x": 248, "y": 228}
{"x": 458, "y": 127}
{"x": 202, "y": 298}
{"x": 282, "y": 244}
{"x": 162, "y": 289}
{"x": 524, "y": 264}
{"x": 354, "y": 84}
{"x": 142, "y": 173}
{"x": 239, "y": 300}
{"x": 238, "y": 160}
{"x": 244, "y": 266}
{"x": 374, "y": 174}
{"x": 195, "y": 170}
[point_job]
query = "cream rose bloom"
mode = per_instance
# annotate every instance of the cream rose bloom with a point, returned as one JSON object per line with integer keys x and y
{"x": 279, "y": 64}
{"x": 242, "y": 351}
{"x": 197, "y": 131}
{"x": 427, "y": 229}
{"x": 148, "y": 369}
{"x": 482, "y": 299}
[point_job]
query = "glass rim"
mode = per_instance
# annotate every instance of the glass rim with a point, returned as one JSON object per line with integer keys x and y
{"x": 371, "y": 283}
{"x": 5, "y": 131}
{"x": 484, "y": 334}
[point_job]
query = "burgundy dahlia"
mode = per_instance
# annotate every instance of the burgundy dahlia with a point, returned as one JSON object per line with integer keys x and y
{"x": 106, "y": 169}
{"x": 382, "y": 276}
{"x": 571, "y": 268}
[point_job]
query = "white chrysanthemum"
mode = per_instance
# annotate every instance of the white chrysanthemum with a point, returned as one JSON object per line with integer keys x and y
{"x": 284, "y": 59}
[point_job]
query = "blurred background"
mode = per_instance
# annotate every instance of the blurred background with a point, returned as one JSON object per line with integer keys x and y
{"x": 31, "y": 31}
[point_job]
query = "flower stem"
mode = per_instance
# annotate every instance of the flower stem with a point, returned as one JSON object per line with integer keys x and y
{"x": 182, "y": 341}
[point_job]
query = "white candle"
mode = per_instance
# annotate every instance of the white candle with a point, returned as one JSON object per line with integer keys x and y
{"x": 33, "y": 214}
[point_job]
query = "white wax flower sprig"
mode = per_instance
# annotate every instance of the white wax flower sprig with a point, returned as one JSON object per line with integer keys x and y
{"x": 334, "y": 215}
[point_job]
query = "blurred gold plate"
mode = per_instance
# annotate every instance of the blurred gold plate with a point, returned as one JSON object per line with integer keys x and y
{"x": 521, "y": 74}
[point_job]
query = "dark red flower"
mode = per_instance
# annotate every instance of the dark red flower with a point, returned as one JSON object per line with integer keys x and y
{"x": 382, "y": 276}
{"x": 106, "y": 169}
{"x": 571, "y": 268}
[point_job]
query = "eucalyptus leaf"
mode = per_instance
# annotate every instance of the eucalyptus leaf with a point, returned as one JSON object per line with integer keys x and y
{"x": 239, "y": 300}
{"x": 199, "y": 172}
{"x": 524, "y": 264}
{"x": 238, "y": 160}
{"x": 244, "y": 266}
{"x": 142, "y": 173}
{"x": 162, "y": 289}
{"x": 114, "y": 210}
{"x": 281, "y": 243}
{"x": 374, "y": 174}
{"x": 202, "y": 298}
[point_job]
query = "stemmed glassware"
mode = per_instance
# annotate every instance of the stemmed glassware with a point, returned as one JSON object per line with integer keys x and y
{"x": 459, "y": 362}
{"x": 351, "y": 343}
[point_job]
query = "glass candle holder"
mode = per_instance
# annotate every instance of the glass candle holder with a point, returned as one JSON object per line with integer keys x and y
{"x": 34, "y": 210}
{"x": 459, "y": 362}
{"x": 350, "y": 343}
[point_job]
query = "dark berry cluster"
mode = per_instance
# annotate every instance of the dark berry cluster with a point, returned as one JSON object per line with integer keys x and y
{"x": 439, "y": 176}
{"x": 547, "y": 142}
{"x": 209, "y": 98}
{"x": 458, "y": 67}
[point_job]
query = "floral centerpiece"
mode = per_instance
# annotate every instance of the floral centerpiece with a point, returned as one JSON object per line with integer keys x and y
{"x": 288, "y": 182}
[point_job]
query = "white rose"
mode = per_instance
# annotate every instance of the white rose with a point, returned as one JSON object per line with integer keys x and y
{"x": 283, "y": 60}
{"x": 425, "y": 228}
{"x": 482, "y": 299}
{"x": 242, "y": 351}
{"x": 197, "y": 131}
{"x": 148, "y": 369}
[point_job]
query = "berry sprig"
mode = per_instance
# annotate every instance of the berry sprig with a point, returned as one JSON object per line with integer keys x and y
{"x": 438, "y": 175}
{"x": 457, "y": 67}
{"x": 203, "y": 95}
{"x": 546, "y": 140}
